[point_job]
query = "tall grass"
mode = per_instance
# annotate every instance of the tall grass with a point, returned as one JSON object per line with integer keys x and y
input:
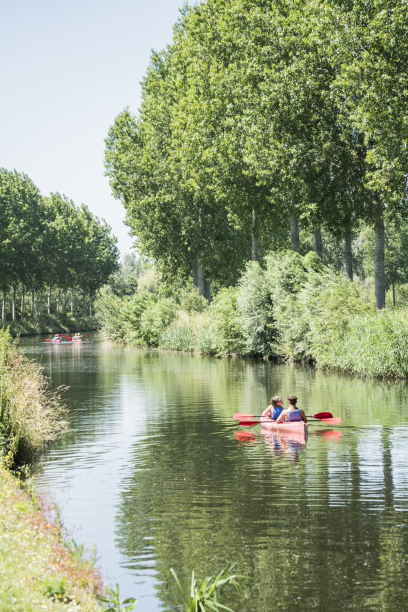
{"x": 30, "y": 415}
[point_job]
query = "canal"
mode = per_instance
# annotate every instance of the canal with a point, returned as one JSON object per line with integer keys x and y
{"x": 154, "y": 473}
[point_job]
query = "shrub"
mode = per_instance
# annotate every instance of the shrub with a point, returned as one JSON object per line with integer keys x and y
{"x": 225, "y": 327}
{"x": 131, "y": 313}
{"x": 155, "y": 318}
{"x": 255, "y": 313}
{"x": 108, "y": 307}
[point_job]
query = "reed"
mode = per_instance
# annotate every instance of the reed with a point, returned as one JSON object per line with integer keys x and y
{"x": 204, "y": 597}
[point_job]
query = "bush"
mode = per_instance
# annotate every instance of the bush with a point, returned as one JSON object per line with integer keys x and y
{"x": 224, "y": 325}
{"x": 255, "y": 312}
{"x": 155, "y": 318}
{"x": 131, "y": 313}
{"x": 108, "y": 308}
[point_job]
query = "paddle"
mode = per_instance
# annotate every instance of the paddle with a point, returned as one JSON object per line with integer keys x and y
{"x": 332, "y": 421}
{"x": 240, "y": 416}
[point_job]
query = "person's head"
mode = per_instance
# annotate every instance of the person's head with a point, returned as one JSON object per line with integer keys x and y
{"x": 276, "y": 401}
{"x": 292, "y": 400}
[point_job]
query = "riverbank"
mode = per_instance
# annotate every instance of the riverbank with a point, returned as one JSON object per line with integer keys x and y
{"x": 294, "y": 308}
{"x": 38, "y": 571}
{"x": 51, "y": 324}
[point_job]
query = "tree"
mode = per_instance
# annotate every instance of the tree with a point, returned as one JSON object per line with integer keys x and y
{"x": 372, "y": 89}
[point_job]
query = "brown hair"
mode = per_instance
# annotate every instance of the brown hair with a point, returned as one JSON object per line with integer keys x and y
{"x": 275, "y": 400}
{"x": 292, "y": 400}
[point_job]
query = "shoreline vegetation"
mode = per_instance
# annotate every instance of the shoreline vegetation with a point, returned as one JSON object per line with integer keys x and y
{"x": 39, "y": 569}
{"x": 294, "y": 308}
{"x": 50, "y": 324}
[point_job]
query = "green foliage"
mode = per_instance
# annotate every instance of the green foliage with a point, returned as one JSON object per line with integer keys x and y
{"x": 108, "y": 307}
{"x": 224, "y": 321}
{"x": 204, "y": 597}
{"x": 155, "y": 318}
{"x": 255, "y": 311}
{"x": 56, "y": 589}
{"x": 191, "y": 301}
{"x": 124, "y": 281}
{"x": 49, "y": 242}
{"x": 114, "y": 603}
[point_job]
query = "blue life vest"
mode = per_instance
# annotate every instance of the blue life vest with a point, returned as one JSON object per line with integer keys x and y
{"x": 276, "y": 412}
{"x": 294, "y": 415}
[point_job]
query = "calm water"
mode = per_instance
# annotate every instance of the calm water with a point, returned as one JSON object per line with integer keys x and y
{"x": 153, "y": 474}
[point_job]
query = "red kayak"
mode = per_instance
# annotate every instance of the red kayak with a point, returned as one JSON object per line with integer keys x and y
{"x": 294, "y": 427}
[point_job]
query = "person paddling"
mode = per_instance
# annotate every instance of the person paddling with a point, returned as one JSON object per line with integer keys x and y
{"x": 274, "y": 409}
{"x": 293, "y": 413}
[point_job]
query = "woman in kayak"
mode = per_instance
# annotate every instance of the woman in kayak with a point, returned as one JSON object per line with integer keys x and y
{"x": 293, "y": 413}
{"x": 275, "y": 408}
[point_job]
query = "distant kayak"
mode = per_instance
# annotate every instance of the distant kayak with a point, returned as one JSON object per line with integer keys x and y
{"x": 56, "y": 340}
{"x": 295, "y": 427}
{"x": 76, "y": 339}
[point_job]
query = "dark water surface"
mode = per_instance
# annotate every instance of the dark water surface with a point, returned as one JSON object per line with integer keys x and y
{"x": 153, "y": 474}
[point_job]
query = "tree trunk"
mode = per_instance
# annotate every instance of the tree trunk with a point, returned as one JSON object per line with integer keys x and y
{"x": 294, "y": 232}
{"x": 4, "y": 306}
{"x": 84, "y": 303}
{"x": 394, "y": 301}
{"x": 207, "y": 290}
{"x": 203, "y": 285}
{"x": 90, "y": 304}
{"x": 59, "y": 302}
{"x": 65, "y": 302}
{"x": 198, "y": 274}
{"x": 49, "y": 301}
{"x": 317, "y": 242}
{"x": 13, "y": 303}
{"x": 39, "y": 305}
{"x": 32, "y": 305}
{"x": 379, "y": 257}
{"x": 22, "y": 303}
{"x": 347, "y": 254}
{"x": 255, "y": 235}
{"x": 72, "y": 302}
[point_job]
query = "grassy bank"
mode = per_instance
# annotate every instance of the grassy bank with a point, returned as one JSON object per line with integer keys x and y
{"x": 38, "y": 571}
{"x": 30, "y": 415}
{"x": 50, "y": 325}
{"x": 293, "y": 308}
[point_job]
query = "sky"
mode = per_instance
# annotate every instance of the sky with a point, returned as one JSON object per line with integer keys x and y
{"x": 67, "y": 68}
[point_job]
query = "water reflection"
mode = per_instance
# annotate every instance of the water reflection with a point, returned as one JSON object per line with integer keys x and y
{"x": 157, "y": 473}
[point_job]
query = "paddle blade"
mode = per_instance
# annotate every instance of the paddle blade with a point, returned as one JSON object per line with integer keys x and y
{"x": 244, "y": 436}
{"x": 334, "y": 421}
{"x": 48, "y": 339}
{"x": 322, "y": 415}
{"x": 241, "y": 416}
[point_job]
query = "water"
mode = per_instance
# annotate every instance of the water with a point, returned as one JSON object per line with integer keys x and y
{"x": 152, "y": 473}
